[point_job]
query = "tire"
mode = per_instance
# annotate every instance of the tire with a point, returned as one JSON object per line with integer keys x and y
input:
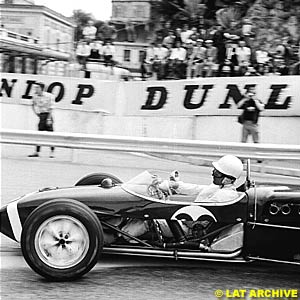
{"x": 55, "y": 223}
{"x": 96, "y": 179}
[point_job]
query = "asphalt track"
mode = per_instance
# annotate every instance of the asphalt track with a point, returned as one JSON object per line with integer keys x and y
{"x": 121, "y": 277}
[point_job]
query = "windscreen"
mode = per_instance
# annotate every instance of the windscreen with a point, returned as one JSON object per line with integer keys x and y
{"x": 143, "y": 185}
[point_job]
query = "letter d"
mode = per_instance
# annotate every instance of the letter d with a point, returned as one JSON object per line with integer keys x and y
{"x": 162, "y": 100}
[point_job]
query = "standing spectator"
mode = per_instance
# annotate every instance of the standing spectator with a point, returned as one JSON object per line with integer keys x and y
{"x": 177, "y": 35}
{"x": 252, "y": 107}
{"x": 198, "y": 58}
{"x": 219, "y": 42}
{"x": 96, "y": 50}
{"x": 108, "y": 53}
{"x": 283, "y": 48}
{"x": 262, "y": 59}
{"x": 89, "y": 31}
{"x": 262, "y": 55}
{"x": 243, "y": 55}
{"x": 189, "y": 46}
{"x": 227, "y": 68}
{"x": 83, "y": 51}
{"x": 143, "y": 68}
{"x": 247, "y": 30}
{"x": 42, "y": 105}
{"x": 280, "y": 59}
{"x": 149, "y": 59}
{"x": 168, "y": 41}
{"x": 160, "y": 58}
{"x": 211, "y": 58}
{"x": 185, "y": 33}
{"x": 177, "y": 58}
{"x": 232, "y": 34}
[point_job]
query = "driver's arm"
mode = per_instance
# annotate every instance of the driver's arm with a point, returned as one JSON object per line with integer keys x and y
{"x": 182, "y": 188}
{"x": 185, "y": 188}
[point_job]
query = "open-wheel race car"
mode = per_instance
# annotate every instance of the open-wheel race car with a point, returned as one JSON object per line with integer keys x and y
{"x": 63, "y": 231}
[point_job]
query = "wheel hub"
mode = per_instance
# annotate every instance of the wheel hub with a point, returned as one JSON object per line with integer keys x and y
{"x": 61, "y": 241}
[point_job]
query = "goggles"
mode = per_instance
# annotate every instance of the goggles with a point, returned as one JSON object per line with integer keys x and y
{"x": 217, "y": 173}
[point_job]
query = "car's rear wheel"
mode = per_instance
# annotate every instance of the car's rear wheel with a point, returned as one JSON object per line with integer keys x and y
{"x": 96, "y": 179}
{"x": 62, "y": 239}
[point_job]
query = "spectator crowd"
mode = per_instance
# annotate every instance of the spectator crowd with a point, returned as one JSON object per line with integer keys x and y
{"x": 96, "y": 45}
{"x": 188, "y": 52}
{"x": 266, "y": 41}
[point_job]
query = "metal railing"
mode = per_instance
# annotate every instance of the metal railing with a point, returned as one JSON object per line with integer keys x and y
{"x": 151, "y": 145}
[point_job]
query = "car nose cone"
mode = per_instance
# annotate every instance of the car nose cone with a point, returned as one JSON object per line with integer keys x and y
{"x": 5, "y": 226}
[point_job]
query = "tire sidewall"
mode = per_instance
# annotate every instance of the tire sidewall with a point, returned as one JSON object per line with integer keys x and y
{"x": 72, "y": 208}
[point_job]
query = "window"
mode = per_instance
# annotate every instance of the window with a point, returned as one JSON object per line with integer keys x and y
{"x": 142, "y": 55}
{"x": 126, "y": 55}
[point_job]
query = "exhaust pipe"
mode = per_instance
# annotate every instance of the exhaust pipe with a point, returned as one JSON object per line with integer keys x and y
{"x": 274, "y": 209}
{"x": 285, "y": 209}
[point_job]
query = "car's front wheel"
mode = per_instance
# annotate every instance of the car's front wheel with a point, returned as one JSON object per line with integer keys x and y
{"x": 62, "y": 239}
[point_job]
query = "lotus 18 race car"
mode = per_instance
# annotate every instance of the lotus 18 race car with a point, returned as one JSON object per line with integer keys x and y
{"x": 63, "y": 231}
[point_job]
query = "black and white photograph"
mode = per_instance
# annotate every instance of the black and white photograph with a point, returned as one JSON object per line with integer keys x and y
{"x": 150, "y": 149}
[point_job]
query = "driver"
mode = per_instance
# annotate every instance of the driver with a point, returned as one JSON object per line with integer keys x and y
{"x": 226, "y": 170}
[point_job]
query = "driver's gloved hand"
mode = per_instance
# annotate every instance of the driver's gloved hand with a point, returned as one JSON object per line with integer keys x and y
{"x": 168, "y": 186}
{"x": 174, "y": 176}
{"x": 164, "y": 185}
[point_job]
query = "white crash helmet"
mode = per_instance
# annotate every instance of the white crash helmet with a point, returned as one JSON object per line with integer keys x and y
{"x": 229, "y": 165}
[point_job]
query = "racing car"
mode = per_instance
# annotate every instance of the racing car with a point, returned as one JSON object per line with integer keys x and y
{"x": 64, "y": 230}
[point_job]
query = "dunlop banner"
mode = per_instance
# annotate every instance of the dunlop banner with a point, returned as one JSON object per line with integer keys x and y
{"x": 75, "y": 93}
{"x": 213, "y": 96}
{"x": 201, "y": 96}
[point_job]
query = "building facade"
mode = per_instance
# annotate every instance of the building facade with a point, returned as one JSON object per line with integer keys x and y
{"x": 132, "y": 18}
{"x": 35, "y": 33}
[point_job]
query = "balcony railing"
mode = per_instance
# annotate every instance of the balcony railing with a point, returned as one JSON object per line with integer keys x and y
{"x": 9, "y": 35}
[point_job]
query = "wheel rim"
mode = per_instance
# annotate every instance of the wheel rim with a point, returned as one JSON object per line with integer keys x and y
{"x": 61, "y": 242}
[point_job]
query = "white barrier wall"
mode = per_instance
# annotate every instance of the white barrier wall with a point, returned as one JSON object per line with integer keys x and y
{"x": 203, "y": 109}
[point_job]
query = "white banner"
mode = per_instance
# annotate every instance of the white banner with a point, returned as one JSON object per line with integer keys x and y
{"x": 202, "y": 96}
{"x": 212, "y": 96}
{"x": 70, "y": 93}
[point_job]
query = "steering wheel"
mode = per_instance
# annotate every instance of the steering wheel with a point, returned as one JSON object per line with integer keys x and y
{"x": 159, "y": 189}
{"x": 155, "y": 191}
